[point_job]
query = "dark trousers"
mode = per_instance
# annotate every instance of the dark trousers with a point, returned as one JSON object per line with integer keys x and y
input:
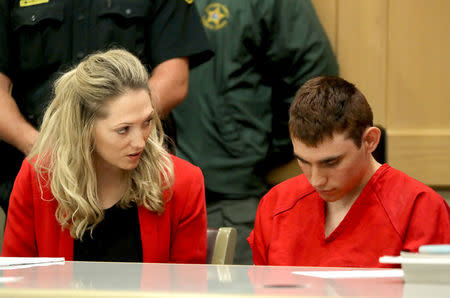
{"x": 239, "y": 214}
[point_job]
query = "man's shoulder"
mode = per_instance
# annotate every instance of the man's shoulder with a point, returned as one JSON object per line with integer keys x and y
{"x": 405, "y": 199}
{"x": 286, "y": 194}
{"x": 400, "y": 195}
{"x": 391, "y": 182}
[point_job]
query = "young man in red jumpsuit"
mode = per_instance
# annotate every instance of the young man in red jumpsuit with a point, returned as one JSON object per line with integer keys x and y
{"x": 346, "y": 209}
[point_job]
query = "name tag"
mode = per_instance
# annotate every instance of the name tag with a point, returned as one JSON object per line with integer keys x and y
{"x": 24, "y": 3}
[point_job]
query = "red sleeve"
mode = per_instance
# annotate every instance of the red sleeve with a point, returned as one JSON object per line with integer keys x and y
{"x": 259, "y": 238}
{"x": 19, "y": 239}
{"x": 188, "y": 244}
{"x": 429, "y": 222}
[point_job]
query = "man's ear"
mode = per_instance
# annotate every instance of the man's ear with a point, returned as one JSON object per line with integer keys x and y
{"x": 371, "y": 138}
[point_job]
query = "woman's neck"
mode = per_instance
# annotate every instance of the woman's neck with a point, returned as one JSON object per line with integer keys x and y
{"x": 111, "y": 185}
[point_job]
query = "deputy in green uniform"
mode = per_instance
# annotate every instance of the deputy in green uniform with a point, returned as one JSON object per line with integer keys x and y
{"x": 41, "y": 38}
{"x": 233, "y": 123}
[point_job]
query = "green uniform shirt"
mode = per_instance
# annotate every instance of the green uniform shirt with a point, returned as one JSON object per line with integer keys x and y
{"x": 233, "y": 123}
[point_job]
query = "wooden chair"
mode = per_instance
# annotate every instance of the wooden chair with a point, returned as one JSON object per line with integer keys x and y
{"x": 221, "y": 245}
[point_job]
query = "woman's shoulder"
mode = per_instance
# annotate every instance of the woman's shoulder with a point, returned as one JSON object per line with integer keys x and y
{"x": 29, "y": 181}
{"x": 27, "y": 169}
{"x": 181, "y": 166}
{"x": 185, "y": 173}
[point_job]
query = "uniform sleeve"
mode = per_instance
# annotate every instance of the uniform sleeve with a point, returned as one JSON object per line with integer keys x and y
{"x": 176, "y": 31}
{"x": 19, "y": 239}
{"x": 4, "y": 24}
{"x": 297, "y": 49}
{"x": 429, "y": 222}
{"x": 189, "y": 241}
{"x": 259, "y": 238}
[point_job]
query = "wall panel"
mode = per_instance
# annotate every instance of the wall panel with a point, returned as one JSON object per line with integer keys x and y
{"x": 418, "y": 89}
{"x": 422, "y": 154}
{"x": 327, "y": 12}
{"x": 362, "y": 49}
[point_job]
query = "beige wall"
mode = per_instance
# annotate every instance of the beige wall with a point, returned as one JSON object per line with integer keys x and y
{"x": 398, "y": 54}
{"x": 418, "y": 89}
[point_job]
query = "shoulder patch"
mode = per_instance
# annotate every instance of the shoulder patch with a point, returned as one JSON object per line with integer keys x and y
{"x": 215, "y": 16}
{"x": 24, "y": 3}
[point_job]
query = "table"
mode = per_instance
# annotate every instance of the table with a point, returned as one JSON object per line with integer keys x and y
{"x": 96, "y": 279}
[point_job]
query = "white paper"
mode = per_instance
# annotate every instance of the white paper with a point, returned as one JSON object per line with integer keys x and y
{"x": 353, "y": 273}
{"x": 4, "y": 280}
{"x": 417, "y": 259}
{"x": 16, "y": 263}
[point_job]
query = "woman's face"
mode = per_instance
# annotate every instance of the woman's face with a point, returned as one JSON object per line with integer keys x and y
{"x": 121, "y": 137}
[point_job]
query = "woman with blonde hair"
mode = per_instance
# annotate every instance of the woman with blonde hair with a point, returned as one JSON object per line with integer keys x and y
{"x": 99, "y": 184}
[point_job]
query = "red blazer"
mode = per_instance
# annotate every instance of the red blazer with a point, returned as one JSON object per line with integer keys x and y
{"x": 178, "y": 235}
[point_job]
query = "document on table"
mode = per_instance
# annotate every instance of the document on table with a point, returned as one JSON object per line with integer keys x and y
{"x": 353, "y": 273}
{"x": 7, "y": 263}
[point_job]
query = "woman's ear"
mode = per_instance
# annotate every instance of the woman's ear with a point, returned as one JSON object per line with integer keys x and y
{"x": 371, "y": 138}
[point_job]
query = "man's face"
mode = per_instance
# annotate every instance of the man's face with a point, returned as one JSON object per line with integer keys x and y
{"x": 336, "y": 168}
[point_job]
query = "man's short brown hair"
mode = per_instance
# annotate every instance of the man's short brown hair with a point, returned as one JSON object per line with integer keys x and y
{"x": 325, "y": 105}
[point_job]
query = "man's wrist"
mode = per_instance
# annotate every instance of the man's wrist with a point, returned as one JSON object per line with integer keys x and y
{"x": 27, "y": 141}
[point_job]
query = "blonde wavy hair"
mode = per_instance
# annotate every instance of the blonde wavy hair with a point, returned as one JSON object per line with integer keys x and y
{"x": 63, "y": 152}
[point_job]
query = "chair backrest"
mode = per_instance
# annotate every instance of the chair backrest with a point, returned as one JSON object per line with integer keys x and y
{"x": 221, "y": 245}
{"x": 2, "y": 226}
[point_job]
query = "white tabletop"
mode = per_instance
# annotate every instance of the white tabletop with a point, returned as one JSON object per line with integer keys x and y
{"x": 89, "y": 279}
